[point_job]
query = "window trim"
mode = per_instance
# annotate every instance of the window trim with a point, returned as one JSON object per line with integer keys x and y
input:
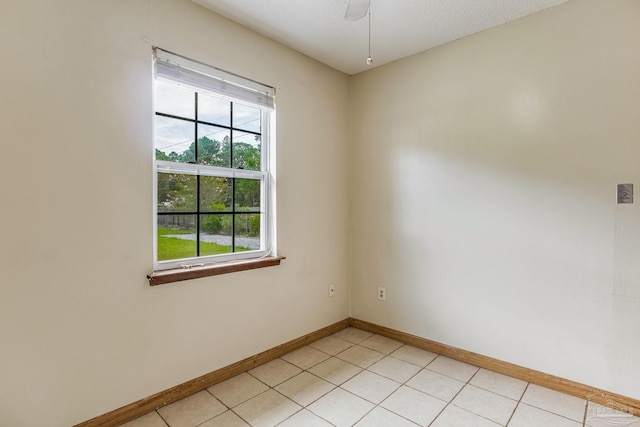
{"x": 243, "y": 91}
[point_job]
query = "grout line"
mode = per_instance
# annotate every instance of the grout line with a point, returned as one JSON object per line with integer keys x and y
{"x": 239, "y": 416}
{"x": 206, "y": 390}
{"x": 212, "y": 395}
{"x": 492, "y": 392}
{"x": 291, "y": 416}
{"x": 543, "y": 409}
{"x": 162, "y": 418}
{"x": 375, "y": 405}
{"x": 450, "y": 402}
{"x": 518, "y": 404}
{"x": 586, "y": 411}
{"x": 360, "y": 397}
{"x": 439, "y": 413}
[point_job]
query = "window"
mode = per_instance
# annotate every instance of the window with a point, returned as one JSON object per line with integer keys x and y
{"x": 211, "y": 200}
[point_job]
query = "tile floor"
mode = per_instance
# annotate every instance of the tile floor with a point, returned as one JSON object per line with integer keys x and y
{"x": 354, "y": 378}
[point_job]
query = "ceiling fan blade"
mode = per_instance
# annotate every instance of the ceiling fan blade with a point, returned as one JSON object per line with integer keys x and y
{"x": 356, "y": 9}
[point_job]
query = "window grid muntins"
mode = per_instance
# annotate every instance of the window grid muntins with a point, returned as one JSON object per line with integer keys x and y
{"x": 235, "y": 130}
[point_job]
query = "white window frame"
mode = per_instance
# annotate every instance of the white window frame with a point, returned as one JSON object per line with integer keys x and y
{"x": 206, "y": 79}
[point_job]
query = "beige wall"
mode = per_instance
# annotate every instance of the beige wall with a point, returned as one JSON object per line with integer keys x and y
{"x": 483, "y": 191}
{"x": 81, "y": 332}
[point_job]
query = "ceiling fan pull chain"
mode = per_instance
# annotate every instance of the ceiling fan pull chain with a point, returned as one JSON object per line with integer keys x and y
{"x": 369, "y": 58}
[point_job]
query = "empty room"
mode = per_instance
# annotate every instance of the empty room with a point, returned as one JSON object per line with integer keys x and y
{"x": 320, "y": 213}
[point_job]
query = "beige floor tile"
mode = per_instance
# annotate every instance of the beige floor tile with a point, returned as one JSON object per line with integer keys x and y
{"x": 192, "y": 410}
{"x": 306, "y": 357}
{"x": 416, "y": 406}
{"x": 414, "y": 355}
{"x": 435, "y": 384}
{"x": 335, "y": 371}
{"x": 275, "y": 372}
{"x": 353, "y": 335}
{"x": 331, "y": 345}
{"x": 452, "y": 416}
{"x": 304, "y": 418}
{"x": 152, "y": 419}
{"x": 395, "y": 369}
{"x": 528, "y": 416}
{"x": 341, "y": 378}
{"x": 485, "y": 403}
{"x": 606, "y": 416}
{"x": 227, "y": 419}
{"x": 452, "y": 368}
{"x": 305, "y": 388}
{"x": 381, "y": 344}
{"x": 370, "y": 386}
{"x": 267, "y": 409}
{"x": 555, "y": 402}
{"x": 341, "y": 408}
{"x": 238, "y": 389}
{"x": 380, "y": 417}
{"x": 501, "y": 384}
{"x": 360, "y": 356}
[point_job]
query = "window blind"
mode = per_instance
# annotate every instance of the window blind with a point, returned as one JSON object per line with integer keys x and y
{"x": 204, "y": 77}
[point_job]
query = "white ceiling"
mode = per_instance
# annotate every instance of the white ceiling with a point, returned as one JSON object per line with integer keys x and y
{"x": 399, "y": 28}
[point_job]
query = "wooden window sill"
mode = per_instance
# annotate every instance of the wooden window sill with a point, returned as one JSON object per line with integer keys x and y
{"x": 162, "y": 277}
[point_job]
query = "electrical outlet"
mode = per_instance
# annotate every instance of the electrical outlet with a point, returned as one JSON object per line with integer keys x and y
{"x": 382, "y": 294}
{"x": 332, "y": 290}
